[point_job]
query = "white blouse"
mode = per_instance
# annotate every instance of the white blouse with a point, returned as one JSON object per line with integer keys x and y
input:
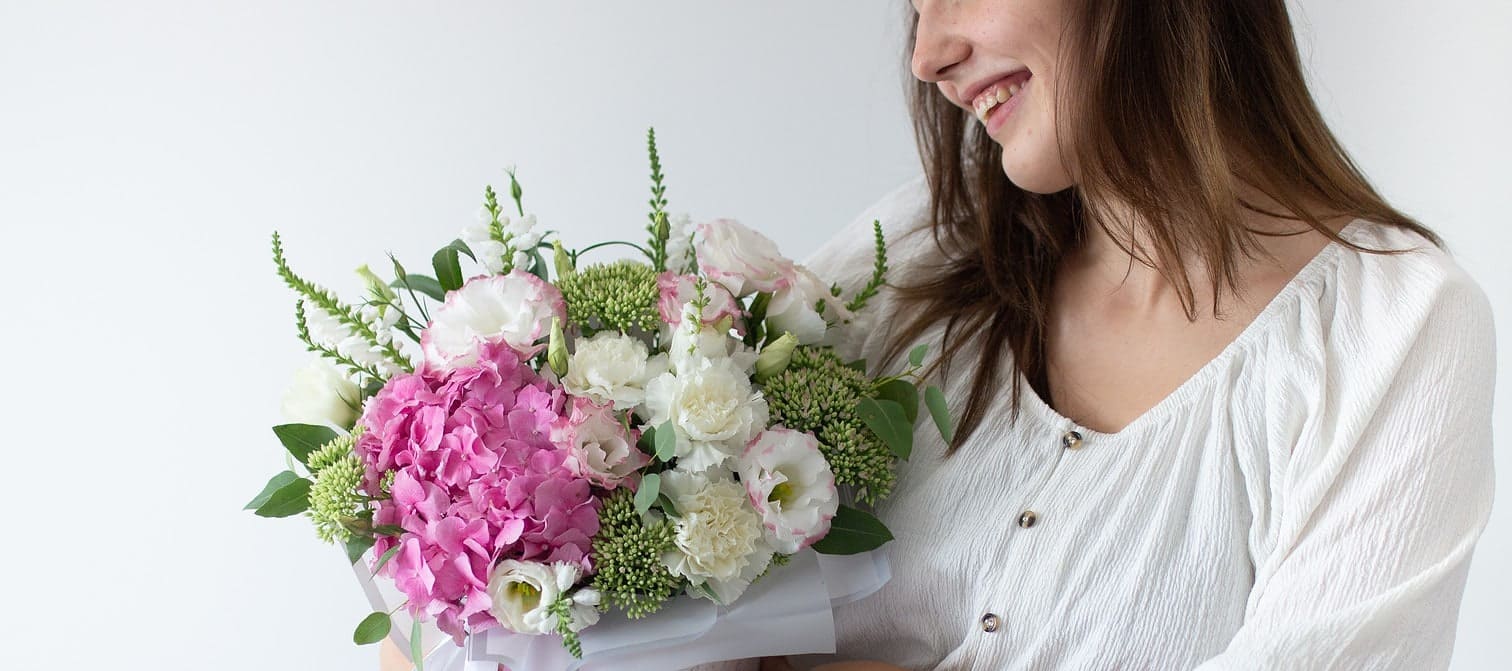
{"x": 1309, "y": 499}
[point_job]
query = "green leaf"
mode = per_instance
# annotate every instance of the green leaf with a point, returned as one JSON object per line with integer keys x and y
{"x": 935, "y": 399}
{"x": 290, "y": 499}
{"x": 650, "y": 488}
{"x": 538, "y": 265}
{"x": 916, "y": 355}
{"x": 667, "y": 505}
{"x": 666, "y": 442}
{"x": 356, "y": 546}
{"x": 853, "y": 531}
{"x": 448, "y": 268}
{"x": 415, "y": 655}
{"x": 462, "y": 248}
{"x": 904, "y": 393}
{"x": 278, "y": 482}
{"x": 388, "y": 530}
{"x": 859, "y": 365}
{"x": 888, "y": 420}
{"x": 302, "y": 439}
{"x": 386, "y": 557}
{"x": 424, "y": 284}
{"x": 372, "y": 628}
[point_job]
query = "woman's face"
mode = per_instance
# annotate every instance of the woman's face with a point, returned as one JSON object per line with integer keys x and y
{"x": 997, "y": 60}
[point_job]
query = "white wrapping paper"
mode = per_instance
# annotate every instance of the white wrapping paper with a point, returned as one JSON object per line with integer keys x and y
{"x": 789, "y": 612}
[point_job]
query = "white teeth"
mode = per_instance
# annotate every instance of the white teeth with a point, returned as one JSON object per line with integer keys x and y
{"x": 1002, "y": 95}
{"x": 1013, "y": 89}
{"x": 992, "y": 98}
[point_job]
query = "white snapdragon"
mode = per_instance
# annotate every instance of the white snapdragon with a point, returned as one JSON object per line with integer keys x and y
{"x": 488, "y": 251}
{"x": 719, "y": 543}
{"x": 322, "y": 394}
{"x": 791, "y": 486}
{"x": 612, "y": 368}
{"x": 713, "y": 409}
{"x": 329, "y": 331}
{"x": 692, "y": 340}
{"x": 523, "y": 594}
{"x": 679, "y": 242}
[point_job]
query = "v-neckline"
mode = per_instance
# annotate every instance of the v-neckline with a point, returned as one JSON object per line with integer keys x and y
{"x": 1317, "y": 264}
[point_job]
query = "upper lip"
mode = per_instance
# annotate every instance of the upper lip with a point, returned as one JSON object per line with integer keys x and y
{"x": 969, "y": 95}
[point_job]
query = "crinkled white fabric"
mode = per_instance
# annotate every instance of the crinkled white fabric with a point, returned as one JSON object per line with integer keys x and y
{"x": 1308, "y": 500}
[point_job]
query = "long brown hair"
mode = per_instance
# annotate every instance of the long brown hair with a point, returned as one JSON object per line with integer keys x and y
{"x": 1178, "y": 103}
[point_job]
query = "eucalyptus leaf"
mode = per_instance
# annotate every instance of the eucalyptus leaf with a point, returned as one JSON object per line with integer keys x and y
{"x": 278, "y": 482}
{"x": 888, "y": 420}
{"x": 667, "y": 505}
{"x": 916, "y": 355}
{"x": 356, "y": 546}
{"x": 386, "y": 557}
{"x": 935, "y": 399}
{"x": 448, "y": 268}
{"x": 859, "y": 365}
{"x": 302, "y": 439}
{"x": 424, "y": 284}
{"x": 290, "y": 499}
{"x": 904, "y": 393}
{"x": 852, "y": 531}
{"x": 666, "y": 442}
{"x": 372, "y": 628}
{"x": 650, "y": 488}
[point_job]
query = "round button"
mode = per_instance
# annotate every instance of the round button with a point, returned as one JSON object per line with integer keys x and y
{"x": 989, "y": 623}
{"x": 1028, "y": 519}
{"x": 1071, "y": 440}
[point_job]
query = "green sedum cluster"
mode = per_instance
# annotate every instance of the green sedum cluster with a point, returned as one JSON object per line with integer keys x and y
{"x": 620, "y": 295}
{"x": 627, "y": 553}
{"x": 335, "y": 501}
{"x": 817, "y": 392}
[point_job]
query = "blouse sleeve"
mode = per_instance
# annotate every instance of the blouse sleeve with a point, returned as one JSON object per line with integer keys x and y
{"x": 1377, "y": 512}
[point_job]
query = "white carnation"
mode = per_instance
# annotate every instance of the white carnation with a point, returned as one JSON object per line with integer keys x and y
{"x": 713, "y": 409}
{"x": 719, "y": 542}
{"x": 612, "y": 368}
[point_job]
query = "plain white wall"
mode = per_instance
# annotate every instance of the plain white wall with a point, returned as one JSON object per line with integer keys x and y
{"x": 147, "y": 150}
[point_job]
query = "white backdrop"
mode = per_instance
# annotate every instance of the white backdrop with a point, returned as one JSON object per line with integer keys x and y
{"x": 147, "y": 149}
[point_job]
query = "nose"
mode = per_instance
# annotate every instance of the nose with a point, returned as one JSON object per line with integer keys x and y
{"x": 937, "y": 45}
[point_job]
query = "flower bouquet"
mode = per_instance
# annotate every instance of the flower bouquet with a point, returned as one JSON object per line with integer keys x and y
{"x": 526, "y": 449}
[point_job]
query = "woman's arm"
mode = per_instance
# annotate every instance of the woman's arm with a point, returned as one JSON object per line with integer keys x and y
{"x": 1376, "y": 512}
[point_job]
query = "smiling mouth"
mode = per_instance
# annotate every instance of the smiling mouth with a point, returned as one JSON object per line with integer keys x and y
{"x": 997, "y": 94}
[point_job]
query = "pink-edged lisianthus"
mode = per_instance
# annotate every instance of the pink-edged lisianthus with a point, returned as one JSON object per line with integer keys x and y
{"x": 475, "y": 479}
{"x": 678, "y": 290}
{"x": 794, "y": 308}
{"x": 791, "y": 486}
{"x": 599, "y": 446}
{"x": 741, "y": 259}
{"x": 515, "y": 308}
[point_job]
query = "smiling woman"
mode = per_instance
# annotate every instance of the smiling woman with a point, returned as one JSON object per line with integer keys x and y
{"x": 1225, "y": 407}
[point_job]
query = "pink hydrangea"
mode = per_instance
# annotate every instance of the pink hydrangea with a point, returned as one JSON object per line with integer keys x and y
{"x": 476, "y": 480}
{"x": 675, "y": 291}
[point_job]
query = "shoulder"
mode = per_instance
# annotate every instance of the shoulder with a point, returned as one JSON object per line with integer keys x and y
{"x": 1400, "y": 301}
{"x": 902, "y": 212}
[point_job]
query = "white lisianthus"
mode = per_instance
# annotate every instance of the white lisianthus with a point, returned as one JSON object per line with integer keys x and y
{"x": 741, "y": 259}
{"x": 719, "y": 542}
{"x": 322, "y": 394}
{"x": 713, "y": 409}
{"x": 794, "y": 308}
{"x": 523, "y": 594}
{"x": 791, "y": 486}
{"x": 516, "y": 308}
{"x": 612, "y": 368}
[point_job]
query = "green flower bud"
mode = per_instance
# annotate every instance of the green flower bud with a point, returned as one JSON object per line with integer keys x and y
{"x": 775, "y": 356}
{"x": 562, "y": 261}
{"x": 380, "y": 289}
{"x": 556, "y": 351}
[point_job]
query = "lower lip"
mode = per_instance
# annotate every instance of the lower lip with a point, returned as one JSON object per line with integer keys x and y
{"x": 999, "y": 115}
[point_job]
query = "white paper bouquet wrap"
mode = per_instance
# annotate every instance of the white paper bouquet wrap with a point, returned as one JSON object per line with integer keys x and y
{"x": 649, "y": 462}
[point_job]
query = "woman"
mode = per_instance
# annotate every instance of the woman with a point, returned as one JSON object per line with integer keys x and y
{"x": 1221, "y": 406}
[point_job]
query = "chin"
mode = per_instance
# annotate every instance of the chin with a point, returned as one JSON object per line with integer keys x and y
{"x": 1036, "y": 174}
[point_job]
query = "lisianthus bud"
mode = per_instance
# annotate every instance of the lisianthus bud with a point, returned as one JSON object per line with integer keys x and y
{"x": 376, "y": 285}
{"x": 775, "y": 356}
{"x": 556, "y": 350}
{"x": 562, "y": 261}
